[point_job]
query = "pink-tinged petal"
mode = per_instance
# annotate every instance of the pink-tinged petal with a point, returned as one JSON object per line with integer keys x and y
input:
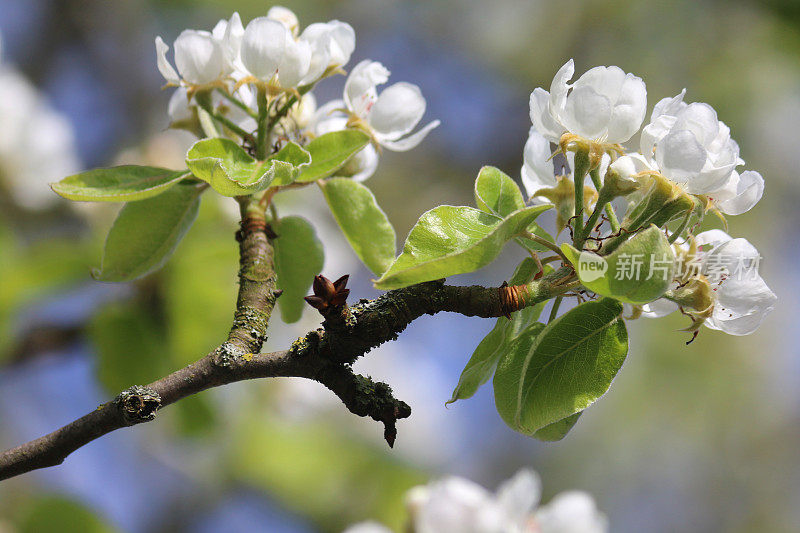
{"x": 360, "y": 90}
{"x": 164, "y": 67}
{"x": 410, "y": 141}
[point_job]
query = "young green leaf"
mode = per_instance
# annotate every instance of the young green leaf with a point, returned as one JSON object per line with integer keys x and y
{"x": 330, "y": 152}
{"x": 496, "y": 193}
{"x": 126, "y": 183}
{"x": 562, "y": 370}
{"x": 481, "y": 365}
{"x": 450, "y": 240}
{"x": 637, "y": 272}
{"x": 364, "y": 224}
{"x": 557, "y": 430}
{"x": 146, "y": 233}
{"x": 231, "y": 171}
{"x": 299, "y": 256}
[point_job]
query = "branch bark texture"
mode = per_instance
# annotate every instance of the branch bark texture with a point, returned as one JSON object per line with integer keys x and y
{"x": 324, "y": 355}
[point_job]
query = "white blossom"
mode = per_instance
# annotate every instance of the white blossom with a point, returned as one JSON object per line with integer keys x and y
{"x": 285, "y": 16}
{"x": 390, "y": 115}
{"x": 37, "y": 144}
{"x": 454, "y": 504}
{"x": 604, "y": 104}
{"x": 570, "y": 512}
{"x": 457, "y": 504}
{"x": 263, "y": 46}
{"x": 742, "y": 299}
{"x": 688, "y": 144}
{"x": 199, "y": 57}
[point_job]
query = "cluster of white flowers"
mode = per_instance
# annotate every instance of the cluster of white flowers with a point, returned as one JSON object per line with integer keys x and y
{"x": 456, "y": 504}
{"x": 272, "y": 54}
{"x": 684, "y": 143}
{"x": 37, "y": 144}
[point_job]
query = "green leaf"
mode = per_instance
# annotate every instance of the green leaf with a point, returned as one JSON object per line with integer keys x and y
{"x": 637, "y": 272}
{"x": 450, "y": 240}
{"x": 299, "y": 256}
{"x": 330, "y": 152}
{"x": 146, "y": 233}
{"x": 496, "y": 193}
{"x": 564, "y": 369}
{"x": 364, "y": 224}
{"x": 481, "y": 365}
{"x": 118, "y": 184}
{"x": 557, "y": 430}
{"x": 231, "y": 171}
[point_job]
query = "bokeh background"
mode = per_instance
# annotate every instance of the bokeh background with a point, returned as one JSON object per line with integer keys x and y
{"x": 689, "y": 438}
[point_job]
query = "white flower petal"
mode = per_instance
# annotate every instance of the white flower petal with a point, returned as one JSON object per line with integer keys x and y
{"x": 397, "y": 110}
{"x": 178, "y": 108}
{"x": 232, "y": 41}
{"x": 747, "y": 189}
{"x": 295, "y": 63}
{"x": 263, "y": 46}
{"x": 541, "y": 117}
{"x": 360, "y": 88}
{"x": 343, "y": 42}
{"x": 199, "y": 57}
{"x": 659, "y": 308}
{"x": 537, "y": 169}
{"x": 680, "y": 156}
{"x": 573, "y": 512}
{"x": 587, "y": 112}
{"x": 368, "y": 527}
{"x": 164, "y": 67}
{"x": 629, "y": 110}
{"x": 285, "y": 16}
{"x": 559, "y": 87}
{"x": 410, "y": 141}
{"x": 519, "y": 495}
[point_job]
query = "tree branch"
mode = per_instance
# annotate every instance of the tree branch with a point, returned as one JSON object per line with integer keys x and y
{"x": 323, "y": 355}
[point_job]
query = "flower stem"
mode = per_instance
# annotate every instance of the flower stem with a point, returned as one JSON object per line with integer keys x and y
{"x": 579, "y": 174}
{"x": 612, "y": 215}
{"x": 263, "y": 126}
{"x": 679, "y": 229}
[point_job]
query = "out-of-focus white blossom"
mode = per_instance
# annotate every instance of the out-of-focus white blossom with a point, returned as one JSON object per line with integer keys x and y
{"x": 391, "y": 115}
{"x": 37, "y": 144}
{"x": 604, "y": 104}
{"x": 570, "y": 512}
{"x": 455, "y": 504}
